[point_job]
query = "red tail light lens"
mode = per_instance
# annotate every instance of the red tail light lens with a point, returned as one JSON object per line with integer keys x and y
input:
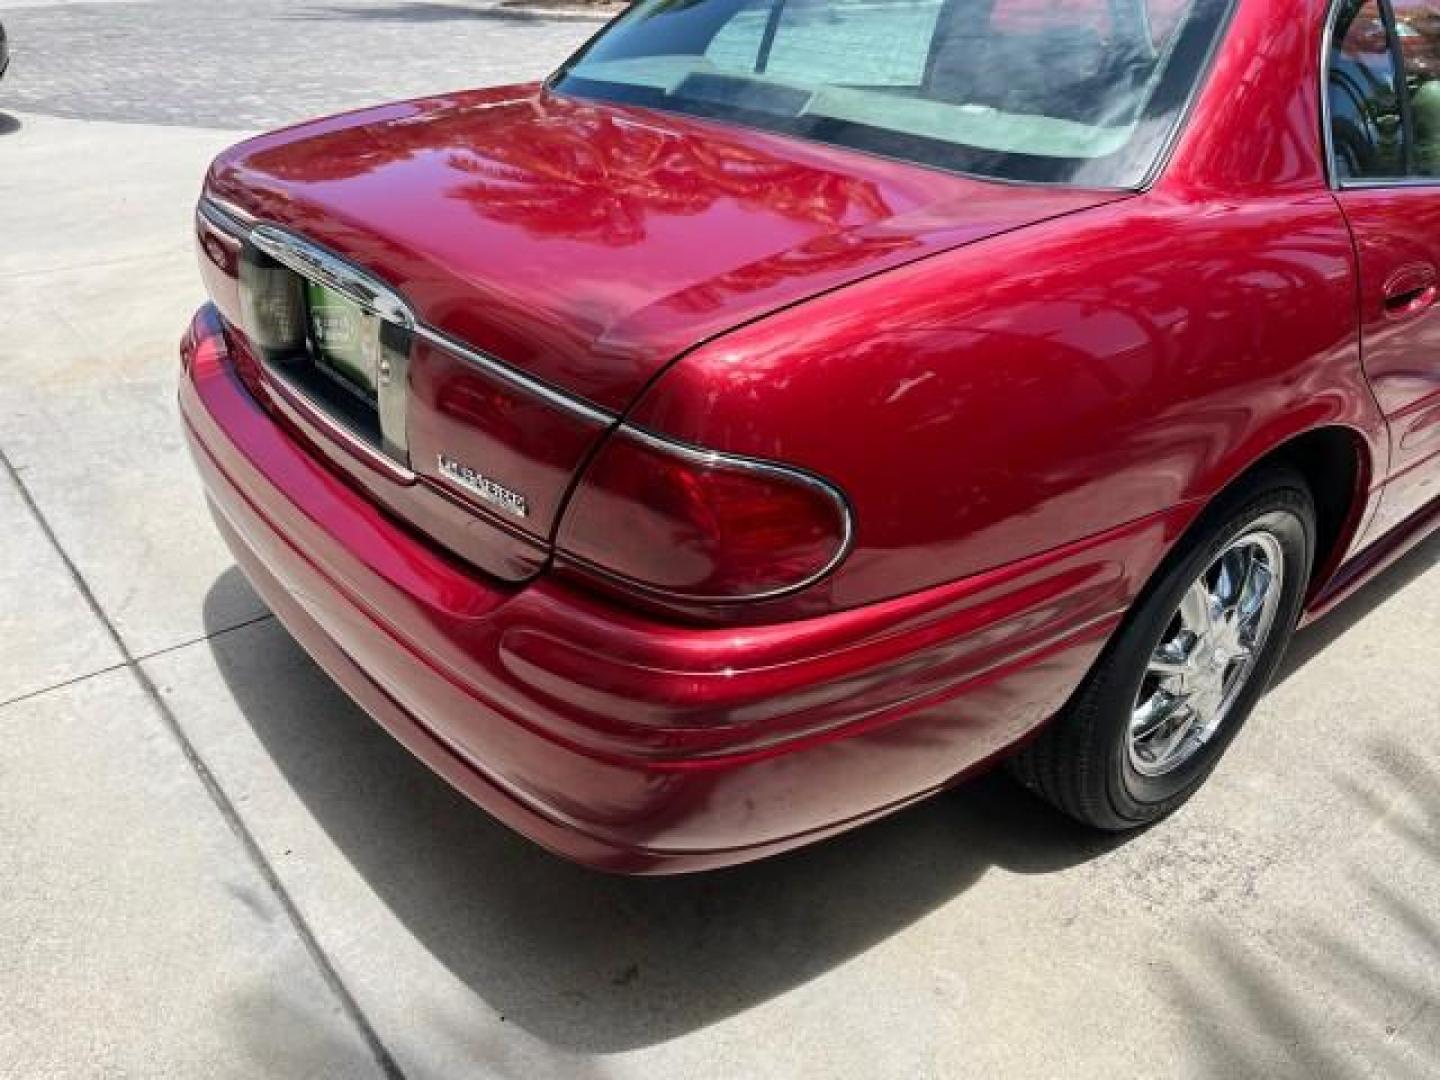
{"x": 701, "y": 526}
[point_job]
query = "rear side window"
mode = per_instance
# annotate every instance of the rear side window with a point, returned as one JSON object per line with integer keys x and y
{"x": 1384, "y": 90}
{"x": 1367, "y": 127}
{"x": 1417, "y": 30}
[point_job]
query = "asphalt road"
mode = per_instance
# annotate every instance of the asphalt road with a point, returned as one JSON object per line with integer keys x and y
{"x": 213, "y": 865}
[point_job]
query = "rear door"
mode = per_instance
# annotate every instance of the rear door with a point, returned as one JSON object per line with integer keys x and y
{"x": 1384, "y": 104}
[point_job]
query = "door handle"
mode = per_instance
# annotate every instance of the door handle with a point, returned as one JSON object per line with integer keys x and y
{"x": 1410, "y": 291}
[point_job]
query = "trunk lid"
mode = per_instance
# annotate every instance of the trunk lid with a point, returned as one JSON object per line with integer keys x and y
{"x": 588, "y": 244}
{"x": 560, "y": 254}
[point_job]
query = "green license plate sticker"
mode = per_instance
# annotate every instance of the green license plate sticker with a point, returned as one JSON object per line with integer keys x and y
{"x": 346, "y": 337}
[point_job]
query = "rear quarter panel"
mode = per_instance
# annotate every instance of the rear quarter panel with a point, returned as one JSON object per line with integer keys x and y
{"x": 1045, "y": 386}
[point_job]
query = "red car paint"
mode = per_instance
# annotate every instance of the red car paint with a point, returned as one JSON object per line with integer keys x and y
{"x": 1026, "y": 394}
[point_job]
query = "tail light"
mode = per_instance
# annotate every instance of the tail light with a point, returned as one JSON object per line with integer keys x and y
{"x": 694, "y": 525}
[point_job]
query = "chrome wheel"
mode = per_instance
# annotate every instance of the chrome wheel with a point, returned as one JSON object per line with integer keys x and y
{"x": 1207, "y": 654}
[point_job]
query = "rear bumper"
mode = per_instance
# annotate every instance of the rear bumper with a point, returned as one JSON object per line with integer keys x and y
{"x": 622, "y": 742}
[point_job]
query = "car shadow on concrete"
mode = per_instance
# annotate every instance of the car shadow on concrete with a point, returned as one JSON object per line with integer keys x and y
{"x": 591, "y": 962}
{"x": 9, "y": 123}
{"x": 600, "y": 964}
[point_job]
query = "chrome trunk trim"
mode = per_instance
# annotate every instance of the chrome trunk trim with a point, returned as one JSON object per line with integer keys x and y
{"x": 314, "y": 262}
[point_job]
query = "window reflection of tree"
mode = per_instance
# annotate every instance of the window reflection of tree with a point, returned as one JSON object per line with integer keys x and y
{"x": 593, "y": 176}
{"x": 584, "y": 173}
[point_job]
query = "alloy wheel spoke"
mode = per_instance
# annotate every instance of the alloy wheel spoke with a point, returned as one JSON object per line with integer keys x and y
{"x": 1182, "y": 725}
{"x": 1230, "y": 581}
{"x": 1172, "y": 659}
{"x": 1154, "y": 714}
{"x": 1240, "y": 654}
{"x": 1197, "y": 610}
{"x": 1257, "y": 591}
{"x": 1166, "y": 666}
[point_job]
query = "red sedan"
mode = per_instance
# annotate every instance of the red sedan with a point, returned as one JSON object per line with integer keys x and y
{"x": 788, "y": 409}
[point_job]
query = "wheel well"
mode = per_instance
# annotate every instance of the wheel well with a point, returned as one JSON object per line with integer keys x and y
{"x": 1334, "y": 463}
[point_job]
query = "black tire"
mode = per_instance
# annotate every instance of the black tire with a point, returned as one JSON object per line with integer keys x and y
{"x": 1082, "y": 761}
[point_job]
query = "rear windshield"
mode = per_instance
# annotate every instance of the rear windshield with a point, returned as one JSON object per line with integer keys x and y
{"x": 1061, "y": 91}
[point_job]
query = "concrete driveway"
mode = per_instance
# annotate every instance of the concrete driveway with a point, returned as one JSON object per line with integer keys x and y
{"x": 213, "y": 865}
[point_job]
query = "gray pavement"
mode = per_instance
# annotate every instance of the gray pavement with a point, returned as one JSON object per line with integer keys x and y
{"x": 212, "y": 864}
{"x": 262, "y": 63}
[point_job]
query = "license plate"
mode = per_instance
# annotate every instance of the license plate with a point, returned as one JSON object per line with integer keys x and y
{"x": 346, "y": 339}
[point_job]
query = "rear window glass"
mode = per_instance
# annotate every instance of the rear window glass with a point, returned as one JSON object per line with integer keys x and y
{"x": 1076, "y": 91}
